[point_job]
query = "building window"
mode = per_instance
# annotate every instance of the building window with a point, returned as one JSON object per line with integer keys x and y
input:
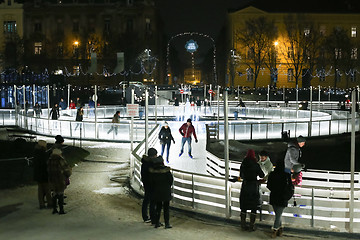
{"x": 290, "y": 75}
{"x": 76, "y": 26}
{"x": 354, "y": 53}
{"x": 37, "y": 48}
{"x": 9, "y": 26}
{"x": 129, "y": 25}
{"x": 353, "y": 75}
{"x": 322, "y": 75}
{"x": 60, "y": 49}
{"x": 107, "y": 26}
{"x": 337, "y": 53}
{"x": 353, "y": 32}
{"x": 9, "y": 2}
{"x": 322, "y": 30}
{"x": 37, "y": 27}
{"x": 250, "y": 74}
{"x": 307, "y": 32}
{"x": 147, "y": 24}
{"x": 76, "y": 70}
{"x": 337, "y": 75}
{"x": 290, "y": 52}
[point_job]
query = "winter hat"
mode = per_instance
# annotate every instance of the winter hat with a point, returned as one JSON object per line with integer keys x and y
{"x": 42, "y": 143}
{"x": 301, "y": 139}
{"x": 59, "y": 139}
{"x": 56, "y": 151}
{"x": 189, "y": 120}
{"x": 166, "y": 123}
{"x": 264, "y": 153}
{"x": 152, "y": 152}
{"x": 250, "y": 154}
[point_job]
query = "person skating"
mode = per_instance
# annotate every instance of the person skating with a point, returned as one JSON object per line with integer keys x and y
{"x": 79, "y": 117}
{"x": 115, "y": 121}
{"x": 148, "y": 207}
{"x": 161, "y": 181}
{"x": 187, "y": 130}
{"x": 54, "y": 112}
{"x": 37, "y": 110}
{"x": 166, "y": 137}
{"x": 281, "y": 190}
{"x": 250, "y": 196}
{"x": 58, "y": 171}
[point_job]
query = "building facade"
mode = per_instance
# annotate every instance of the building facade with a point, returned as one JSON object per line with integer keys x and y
{"x": 327, "y": 62}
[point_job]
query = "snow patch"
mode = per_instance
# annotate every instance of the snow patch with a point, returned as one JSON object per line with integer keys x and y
{"x": 111, "y": 191}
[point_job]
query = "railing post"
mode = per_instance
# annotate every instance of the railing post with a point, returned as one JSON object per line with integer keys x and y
{"x": 312, "y": 207}
{"x": 251, "y": 131}
{"x": 192, "y": 191}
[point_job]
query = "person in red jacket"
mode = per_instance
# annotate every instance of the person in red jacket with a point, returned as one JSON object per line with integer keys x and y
{"x": 72, "y": 104}
{"x": 186, "y": 130}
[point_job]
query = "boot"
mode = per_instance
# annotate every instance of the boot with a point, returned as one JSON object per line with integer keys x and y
{"x": 54, "y": 204}
{"x": 280, "y": 231}
{"x": 243, "y": 221}
{"x": 61, "y": 204}
{"x": 274, "y": 232}
{"x": 252, "y": 222}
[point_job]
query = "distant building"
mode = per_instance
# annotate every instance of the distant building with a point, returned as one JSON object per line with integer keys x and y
{"x": 11, "y": 18}
{"x": 331, "y": 63}
{"x": 192, "y": 76}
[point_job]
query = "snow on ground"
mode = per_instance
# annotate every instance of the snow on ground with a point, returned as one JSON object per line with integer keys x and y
{"x": 98, "y": 208}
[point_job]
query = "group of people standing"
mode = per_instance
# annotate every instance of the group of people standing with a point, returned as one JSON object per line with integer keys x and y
{"x": 52, "y": 174}
{"x": 280, "y": 180}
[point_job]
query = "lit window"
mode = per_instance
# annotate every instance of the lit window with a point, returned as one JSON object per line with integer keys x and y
{"x": 76, "y": 70}
{"x": 290, "y": 75}
{"x": 353, "y": 75}
{"x": 307, "y": 32}
{"x": 250, "y": 74}
{"x": 290, "y": 52}
{"x": 10, "y": 26}
{"x": 354, "y": 53}
{"x": 337, "y": 53}
{"x": 37, "y": 48}
{"x": 353, "y": 32}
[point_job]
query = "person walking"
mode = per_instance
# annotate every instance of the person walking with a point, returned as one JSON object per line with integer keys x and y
{"x": 115, "y": 121}
{"x": 186, "y": 130}
{"x": 165, "y": 137}
{"x": 161, "y": 181}
{"x": 40, "y": 158}
{"x": 59, "y": 172}
{"x": 79, "y": 117}
{"x": 148, "y": 206}
{"x": 54, "y": 112}
{"x": 37, "y": 110}
{"x": 281, "y": 191}
{"x": 293, "y": 153}
{"x": 250, "y": 196}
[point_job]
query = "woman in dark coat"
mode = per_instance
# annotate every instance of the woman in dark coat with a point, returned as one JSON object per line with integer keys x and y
{"x": 250, "y": 196}
{"x": 40, "y": 173}
{"x": 161, "y": 181}
{"x": 54, "y": 112}
{"x": 79, "y": 117}
{"x": 166, "y": 137}
{"x": 59, "y": 171}
{"x": 281, "y": 190}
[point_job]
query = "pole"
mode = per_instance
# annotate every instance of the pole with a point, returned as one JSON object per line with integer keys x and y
{"x": 132, "y": 122}
{"x": 156, "y": 96}
{"x": 226, "y": 154}
{"x": 146, "y": 119}
{"x": 284, "y": 94}
{"x": 319, "y": 97}
{"x": 204, "y": 91}
{"x": 124, "y": 90}
{"x": 95, "y": 100}
{"x": 33, "y": 93}
{"x": 329, "y": 93}
{"x": 182, "y": 95}
{"x": 352, "y": 163}
{"x": 310, "y": 122}
{"x": 238, "y": 93}
{"x": 210, "y": 93}
{"x": 16, "y": 106}
{"x": 297, "y": 101}
{"x": 48, "y": 103}
{"x": 68, "y": 98}
{"x": 268, "y": 95}
{"x": 25, "y": 110}
{"x": 218, "y": 111}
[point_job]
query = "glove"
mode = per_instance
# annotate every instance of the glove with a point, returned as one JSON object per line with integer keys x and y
{"x": 235, "y": 179}
{"x": 174, "y": 141}
{"x": 196, "y": 140}
{"x": 182, "y": 134}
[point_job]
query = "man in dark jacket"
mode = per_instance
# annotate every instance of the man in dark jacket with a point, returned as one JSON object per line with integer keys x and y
{"x": 161, "y": 181}
{"x": 166, "y": 137}
{"x": 40, "y": 173}
{"x": 186, "y": 130}
{"x": 293, "y": 153}
{"x": 147, "y": 162}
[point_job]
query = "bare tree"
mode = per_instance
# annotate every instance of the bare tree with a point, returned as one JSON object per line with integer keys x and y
{"x": 338, "y": 46}
{"x": 257, "y": 36}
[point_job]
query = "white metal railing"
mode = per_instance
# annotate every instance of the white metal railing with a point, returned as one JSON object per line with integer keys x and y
{"x": 318, "y": 205}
